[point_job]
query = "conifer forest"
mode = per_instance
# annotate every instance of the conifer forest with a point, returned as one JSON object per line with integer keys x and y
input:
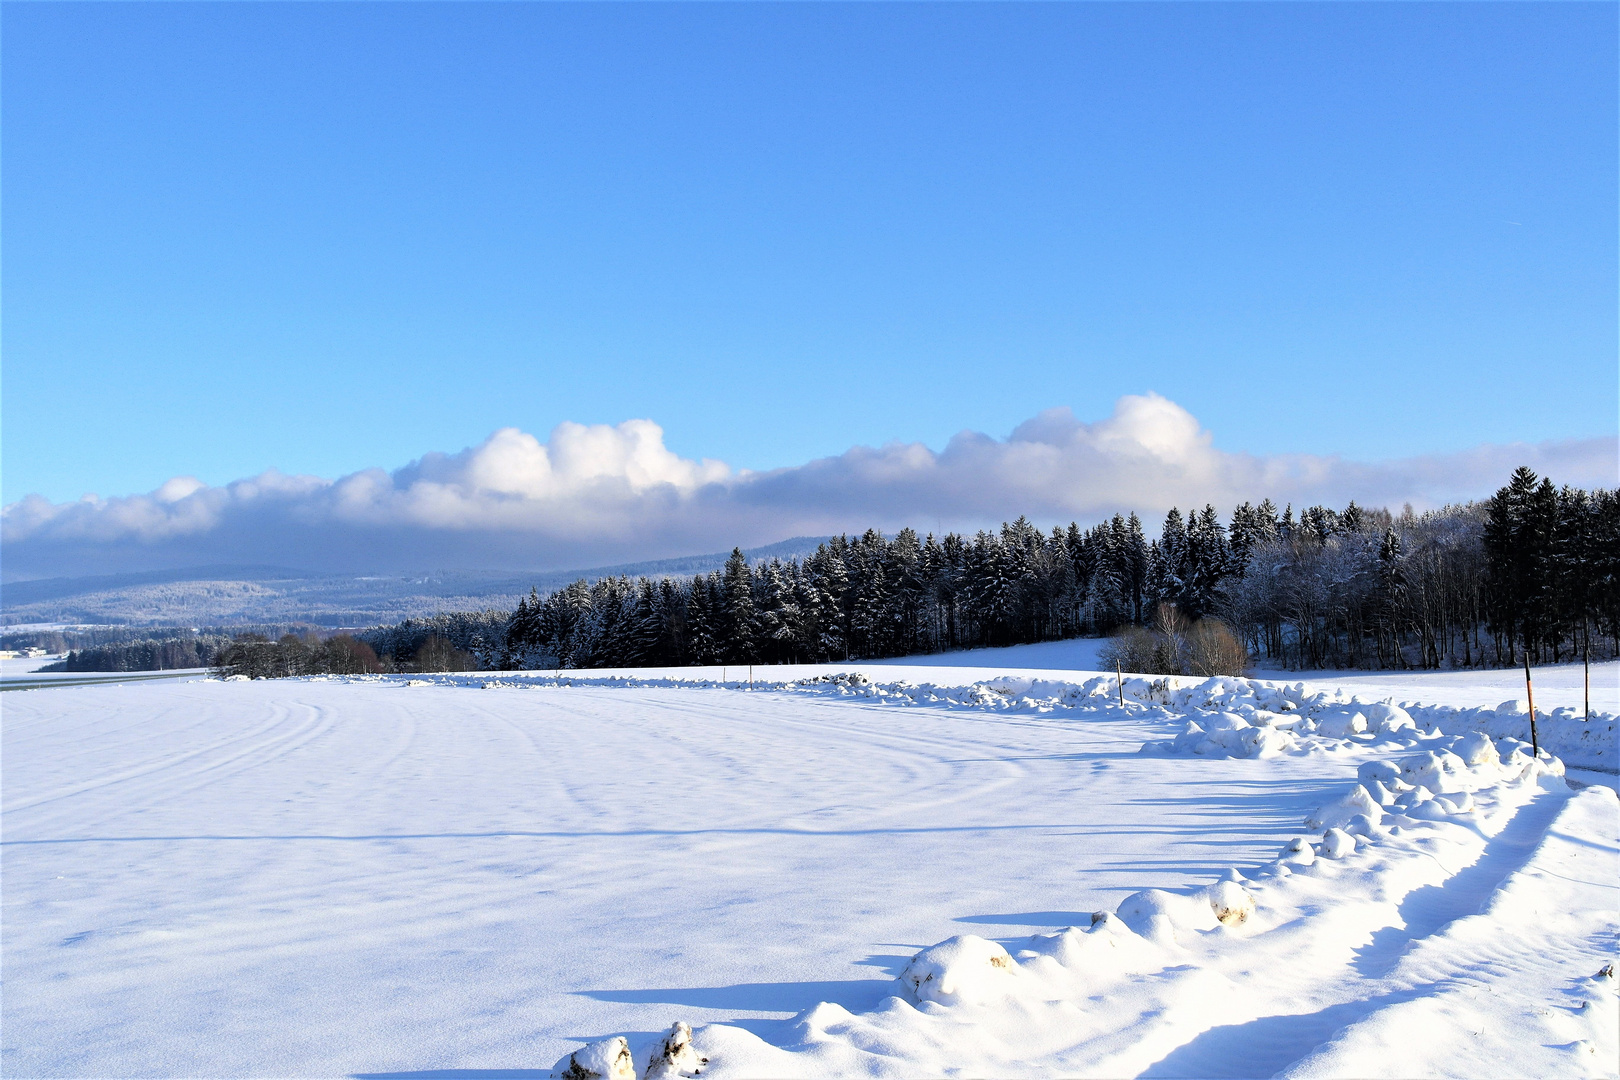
{"x": 1535, "y": 567}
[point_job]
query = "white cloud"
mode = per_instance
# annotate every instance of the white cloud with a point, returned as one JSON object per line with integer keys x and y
{"x": 600, "y": 493}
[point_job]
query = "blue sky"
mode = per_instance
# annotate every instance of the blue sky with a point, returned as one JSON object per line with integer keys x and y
{"x": 326, "y": 237}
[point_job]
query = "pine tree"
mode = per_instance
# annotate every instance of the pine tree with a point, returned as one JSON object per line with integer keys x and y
{"x": 1167, "y": 567}
{"x": 1518, "y": 537}
{"x": 702, "y": 635}
{"x": 1208, "y": 563}
{"x": 777, "y": 618}
{"x": 1133, "y": 550}
{"x": 737, "y": 643}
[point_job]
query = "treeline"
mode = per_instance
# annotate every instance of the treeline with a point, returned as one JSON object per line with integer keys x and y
{"x": 476, "y": 635}
{"x": 257, "y": 657}
{"x": 144, "y": 654}
{"x": 1534, "y": 567}
{"x": 138, "y": 648}
{"x": 113, "y": 648}
{"x": 449, "y": 642}
{"x": 420, "y": 645}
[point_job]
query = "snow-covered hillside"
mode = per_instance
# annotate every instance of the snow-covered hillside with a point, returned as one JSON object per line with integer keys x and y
{"x": 364, "y": 877}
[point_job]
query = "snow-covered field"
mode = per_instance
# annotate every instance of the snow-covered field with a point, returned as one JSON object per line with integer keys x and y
{"x": 13, "y": 666}
{"x": 328, "y": 877}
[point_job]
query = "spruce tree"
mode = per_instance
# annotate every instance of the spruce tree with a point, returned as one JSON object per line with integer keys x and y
{"x": 737, "y": 644}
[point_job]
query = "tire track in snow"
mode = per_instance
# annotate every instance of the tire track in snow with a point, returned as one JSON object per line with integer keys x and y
{"x": 166, "y": 761}
{"x": 917, "y": 755}
{"x": 1347, "y": 992}
{"x": 1543, "y": 931}
{"x": 1429, "y": 910}
{"x": 158, "y": 782}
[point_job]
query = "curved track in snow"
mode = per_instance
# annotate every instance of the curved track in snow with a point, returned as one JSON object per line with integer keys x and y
{"x": 328, "y": 878}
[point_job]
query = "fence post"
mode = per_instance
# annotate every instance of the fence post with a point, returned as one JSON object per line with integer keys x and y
{"x": 1119, "y": 677}
{"x": 1530, "y": 698}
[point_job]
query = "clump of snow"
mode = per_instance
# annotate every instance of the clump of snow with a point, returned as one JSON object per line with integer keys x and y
{"x": 1342, "y": 725}
{"x": 1336, "y": 844}
{"x": 1476, "y": 748}
{"x": 1355, "y": 812}
{"x": 1432, "y": 769}
{"x": 1384, "y": 718}
{"x": 962, "y": 968}
{"x": 1157, "y": 914}
{"x": 606, "y": 1060}
{"x": 1297, "y": 852}
{"x": 1231, "y": 903}
{"x": 673, "y": 1055}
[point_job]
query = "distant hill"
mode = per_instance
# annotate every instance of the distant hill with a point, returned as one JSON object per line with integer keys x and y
{"x": 226, "y": 595}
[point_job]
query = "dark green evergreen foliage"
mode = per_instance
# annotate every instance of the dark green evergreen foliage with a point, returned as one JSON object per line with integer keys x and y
{"x": 147, "y": 654}
{"x": 1552, "y": 559}
{"x": 146, "y": 648}
{"x": 476, "y": 633}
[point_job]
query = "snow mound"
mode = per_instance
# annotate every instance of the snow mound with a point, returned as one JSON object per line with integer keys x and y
{"x": 1157, "y": 915}
{"x": 606, "y": 1060}
{"x": 1231, "y": 903}
{"x": 1244, "y": 718}
{"x": 960, "y": 969}
{"x": 673, "y": 1055}
{"x": 1357, "y": 811}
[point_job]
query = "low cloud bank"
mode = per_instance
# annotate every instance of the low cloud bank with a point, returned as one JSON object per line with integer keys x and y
{"x": 599, "y": 494}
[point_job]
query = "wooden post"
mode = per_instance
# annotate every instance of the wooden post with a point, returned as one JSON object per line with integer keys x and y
{"x": 1120, "y": 678}
{"x": 1530, "y": 698}
{"x": 750, "y": 677}
{"x": 1587, "y": 663}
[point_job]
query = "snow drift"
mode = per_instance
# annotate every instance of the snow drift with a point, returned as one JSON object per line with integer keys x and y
{"x": 1108, "y": 998}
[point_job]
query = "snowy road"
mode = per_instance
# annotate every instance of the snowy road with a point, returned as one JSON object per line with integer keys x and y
{"x": 330, "y": 878}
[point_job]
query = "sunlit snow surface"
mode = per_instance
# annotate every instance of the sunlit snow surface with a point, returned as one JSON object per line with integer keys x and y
{"x": 364, "y": 878}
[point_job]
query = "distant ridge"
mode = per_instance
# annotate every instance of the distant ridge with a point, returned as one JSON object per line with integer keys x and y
{"x": 223, "y": 595}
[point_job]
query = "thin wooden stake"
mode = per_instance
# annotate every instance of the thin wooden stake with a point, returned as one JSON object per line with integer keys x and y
{"x": 750, "y": 677}
{"x": 1530, "y": 697}
{"x": 1120, "y": 676}
{"x": 1587, "y": 660}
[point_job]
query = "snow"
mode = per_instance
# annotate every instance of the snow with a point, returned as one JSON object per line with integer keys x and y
{"x": 1556, "y": 685}
{"x": 902, "y": 872}
{"x": 1442, "y": 1012}
{"x": 11, "y": 666}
